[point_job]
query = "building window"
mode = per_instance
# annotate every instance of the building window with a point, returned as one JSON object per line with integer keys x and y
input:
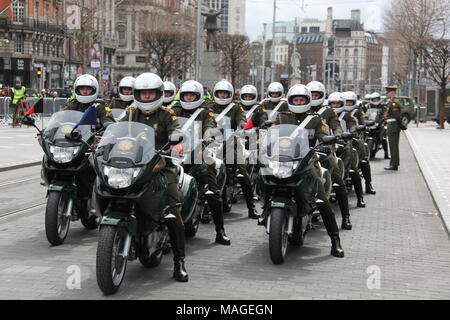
{"x": 141, "y": 59}
{"x": 120, "y": 60}
{"x": 19, "y": 43}
{"x": 18, "y": 8}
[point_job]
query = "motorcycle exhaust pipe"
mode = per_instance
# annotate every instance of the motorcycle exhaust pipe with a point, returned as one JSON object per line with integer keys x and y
{"x": 126, "y": 247}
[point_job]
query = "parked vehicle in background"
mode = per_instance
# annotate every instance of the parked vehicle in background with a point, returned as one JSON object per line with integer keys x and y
{"x": 408, "y": 108}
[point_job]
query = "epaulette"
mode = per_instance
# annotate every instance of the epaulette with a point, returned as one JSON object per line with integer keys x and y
{"x": 130, "y": 108}
{"x": 168, "y": 110}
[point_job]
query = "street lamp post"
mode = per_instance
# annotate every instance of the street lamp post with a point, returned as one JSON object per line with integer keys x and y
{"x": 263, "y": 77}
{"x": 273, "y": 38}
{"x": 197, "y": 40}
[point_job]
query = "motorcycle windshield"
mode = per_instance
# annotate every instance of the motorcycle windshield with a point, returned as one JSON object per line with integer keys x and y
{"x": 127, "y": 144}
{"x": 285, "y": 143}
{"x": 225, "y": 124}
{"x": 63, "y": 122}
{"x": 118, "y": 113}
{"x": 374, "y": 114}
{"x": 193, "y": 133}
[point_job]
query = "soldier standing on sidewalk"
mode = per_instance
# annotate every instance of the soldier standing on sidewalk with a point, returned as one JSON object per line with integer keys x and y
{"x": 394, "y": 126}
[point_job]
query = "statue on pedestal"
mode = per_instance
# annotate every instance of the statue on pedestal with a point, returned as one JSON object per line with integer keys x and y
{"x": 211, "y": 25}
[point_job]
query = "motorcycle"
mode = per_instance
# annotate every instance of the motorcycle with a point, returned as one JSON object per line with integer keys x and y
{"x": 376, "y": 126}
{"x": 131, "y": 193}
{"x": 288, "y": 186}
{"x": 68, "y": 174}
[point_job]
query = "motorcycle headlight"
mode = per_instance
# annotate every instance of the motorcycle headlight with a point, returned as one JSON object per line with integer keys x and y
{"x": 63, "y": 154}
{"x": 120, "y": 178}
{"x": 282, "y": 170}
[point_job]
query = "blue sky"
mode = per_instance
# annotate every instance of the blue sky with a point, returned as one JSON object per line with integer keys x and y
{"x": 261, "y": 11}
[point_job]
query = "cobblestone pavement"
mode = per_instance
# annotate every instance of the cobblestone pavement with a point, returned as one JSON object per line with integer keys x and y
{"x": 399, "y": 237}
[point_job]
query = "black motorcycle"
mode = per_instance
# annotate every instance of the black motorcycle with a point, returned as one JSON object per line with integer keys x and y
{"x": 288, "y": 186}
{"x": 376, "y": 131}
{"x": 131, "y": 193}
{"x": 67, "y": 173}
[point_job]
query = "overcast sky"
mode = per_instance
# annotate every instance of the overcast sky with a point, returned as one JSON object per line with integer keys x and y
{"x": 261, "y": 11}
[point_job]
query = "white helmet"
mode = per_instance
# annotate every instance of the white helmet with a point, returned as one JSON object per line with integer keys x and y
{"x": 273, "y": 88}
{"x": 350, "y": 96}
{"x": 195, "y": 87}
{"x": 325, "y": 103}
{"x": 86, "y": 80}
{"x": 127, "y": 82}
{"x": 169, "y": 86}
{"x": 249, "y": 89}
{"x": 367, "y": 97}
{"x": 375, "y": 95}
{"x": 295, "y": 91}
{"x": 336, "y": 97}
{"x": 223, "y": 86}
{"x": 316, "y": 86}
{"x": 148, "y": 81}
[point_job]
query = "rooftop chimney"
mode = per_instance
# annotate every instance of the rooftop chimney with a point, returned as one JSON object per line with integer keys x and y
{"x": 356, "y": 15}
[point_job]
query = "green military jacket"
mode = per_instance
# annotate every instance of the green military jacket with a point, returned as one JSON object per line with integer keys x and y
{"x": 119, "y": 104}
{"x": 332, "y": 120}
{"x": 236, "y": 114}
{"x": 393, "y": 117}
{"x": 350, "y": 121}
{"x": 359, "y": 115}
{"x": 269, "y": 105}
{"x": 162, "y": 121}
{"x": 103, "y": 113}
{"x": 259, "y": 114}
{"x": 316, "y": 128}
{"x": 206, "y": 116}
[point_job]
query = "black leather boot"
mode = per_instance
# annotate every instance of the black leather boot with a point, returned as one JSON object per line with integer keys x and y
{"x": 342, "y": 197}
{"x": 249, "y": 199}
{"x": 365, "y": 168}
{"x": 394, "y": 168}
{"x": 221, "y": 237}
{"x": 356, "y": 179}
{"x": 176, "y": 234}
{"x": 346, "y": 224}
{"x": 336, "y": 249}
{"x": 385, "y": 148}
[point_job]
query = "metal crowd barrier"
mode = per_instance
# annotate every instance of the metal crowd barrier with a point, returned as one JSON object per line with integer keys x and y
{"x": 51, "y": 105}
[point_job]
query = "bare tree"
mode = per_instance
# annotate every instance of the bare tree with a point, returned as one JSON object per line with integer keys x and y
{"x": 169, "y": 51}
{"x": 235, "y": 61}
{"x": 437, "y": 57}
{"x": 407, "y": 23}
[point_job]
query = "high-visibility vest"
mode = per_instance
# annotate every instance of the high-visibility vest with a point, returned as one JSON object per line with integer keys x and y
{"x": 18, "y": 94}
{"x": 73, "y": 96}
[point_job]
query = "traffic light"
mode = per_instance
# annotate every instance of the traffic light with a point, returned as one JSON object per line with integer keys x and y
{"x": 39, "y": 73}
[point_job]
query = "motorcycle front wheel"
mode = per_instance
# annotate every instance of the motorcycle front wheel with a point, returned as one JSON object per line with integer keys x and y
{"x": 56, "y": 222}
{"x": 278, "y": 237}
{"x": 110, "y": 265}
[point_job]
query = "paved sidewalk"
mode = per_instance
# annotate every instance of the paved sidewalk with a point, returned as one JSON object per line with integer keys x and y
{"x": 19, "y": 147}
{"x": 431, "y": 148}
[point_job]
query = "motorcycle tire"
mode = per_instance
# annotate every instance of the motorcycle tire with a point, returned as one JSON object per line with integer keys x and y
{"x": 278, "y": 237}
{"x": 298, "y": 236}
{"x": 191, "y": 228}
{"x": 56, "y": 223}
{"x": 153, "y": 260}
{"x": 90, "y": 222}
{"x": 110, "y": 245}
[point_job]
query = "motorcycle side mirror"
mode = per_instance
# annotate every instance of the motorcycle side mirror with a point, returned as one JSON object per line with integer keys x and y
{"x": 267, "y": 124}
{"x": 360, "y": 128}
{"x": 329, "y": 140}
{"x": 347, "y": 136}
{"x": 370, "y": 123}
{"x": 73, "y": 136}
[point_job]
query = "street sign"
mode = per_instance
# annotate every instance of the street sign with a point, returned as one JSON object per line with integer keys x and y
{"x": 95, "y": 64}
